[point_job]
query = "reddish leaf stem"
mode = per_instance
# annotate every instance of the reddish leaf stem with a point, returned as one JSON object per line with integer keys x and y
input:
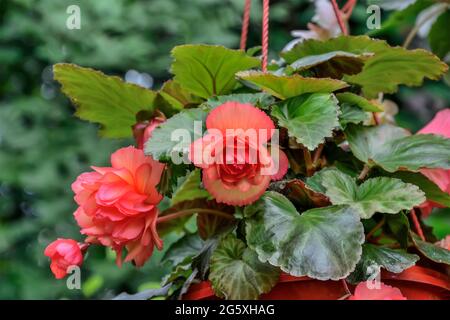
{"x": 417, "y": 224}
{"x": 338, "y": 15}
{"x": 187, "y": 212}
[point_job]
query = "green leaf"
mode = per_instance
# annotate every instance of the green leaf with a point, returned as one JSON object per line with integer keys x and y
{"x": 178, "y": 97}
{"x": 432, "y": 251}
{"x": 332, "y": 64}
{"x": 322, "y": 243}
{"x": 361, "y": 102}
{"x": 375, "y": 257}
{"x": 237, "y": 274}
{"x": 366, "y": 142}
{"x": 190, "y": 188}
{"x": 187, "y": 246}
{"x": 392, "y": 149}
{"x": 382, "y": 194}
{"x": 357, "y": 45}
{"x": 432, "y": 191}
{"x": 397, "y": 66}
{"x": 285, "y": 87}
{"x": 103, "y": 99}
{"x": 207, "y": 70}
{"x": 310, "y": 118}
{"x": 415, "y": 152}
{"x": 384, "y": 71}
{"x": 398, "y": 224}
{"x": 261, "y": 100}
{"x": 352, "y": 114}
{"x": 166, "y": 143}
{"x": 439, "y": 36}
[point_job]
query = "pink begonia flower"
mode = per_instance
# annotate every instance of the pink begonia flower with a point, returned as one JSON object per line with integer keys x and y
{"x": 118, "y": 204}
{"x": 63, "y": 254}
{"x": 237, "y": 167}
{"x": 440, "y": 125}
{"x": 364, "y": 291}
{"x": 142, "y": 131}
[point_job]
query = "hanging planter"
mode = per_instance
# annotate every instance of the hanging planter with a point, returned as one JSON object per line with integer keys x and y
{"x": 296, "y": 178}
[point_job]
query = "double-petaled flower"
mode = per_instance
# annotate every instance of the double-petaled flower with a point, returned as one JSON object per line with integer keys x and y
{"x": 118, "y": 204}
{"x": 236, "y": 161}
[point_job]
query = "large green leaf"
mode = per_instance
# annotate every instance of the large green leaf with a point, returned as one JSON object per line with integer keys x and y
{"x": 392, "y": 148}
{"x": 396, "y": 66}
{"x": 432, "y": 251}
{"x": 285, "y": 87}
{"x": 237, "y": 274}
{"x": 384, "y": 71}
{"x": 103, "y": 99}
{"x": 162, "y": 145}
{"x": 310, "y": 118}
{"x": 365, "y": 142}
{"x": 332, "y": 64}
{"x": 382, "y": 194}
{"x": 432, "y": 191}
{"x": 375, "y": 257}
{"x": 189, "y": 188}
{"x": 322, "y": 243}
{"x": 207, "y": 70}
{"x": 439, "y": 36}
{"x": 357, "y": 45}
{"x": 361, "y": 102}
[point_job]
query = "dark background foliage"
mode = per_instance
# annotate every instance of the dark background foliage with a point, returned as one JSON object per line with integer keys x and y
{"x": 43, "y": 147}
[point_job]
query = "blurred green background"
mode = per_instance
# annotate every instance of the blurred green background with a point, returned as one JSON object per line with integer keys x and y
{"x": 43, "y": 147}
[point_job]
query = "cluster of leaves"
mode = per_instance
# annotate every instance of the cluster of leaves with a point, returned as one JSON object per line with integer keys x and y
{"x": 320, "y": 221}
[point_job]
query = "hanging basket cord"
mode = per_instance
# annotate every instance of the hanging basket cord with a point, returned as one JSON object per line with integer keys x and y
{"x": 265, "y": 35}
{"x": 245, "y": 23}
{"x": 265, "y": 31}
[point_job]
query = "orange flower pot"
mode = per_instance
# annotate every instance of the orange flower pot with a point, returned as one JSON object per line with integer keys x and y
{"x": 415, "y": 283}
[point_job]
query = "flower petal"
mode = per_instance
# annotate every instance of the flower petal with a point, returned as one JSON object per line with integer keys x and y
{"x": 235, "y": 115}
{"x": 234, "y": 195}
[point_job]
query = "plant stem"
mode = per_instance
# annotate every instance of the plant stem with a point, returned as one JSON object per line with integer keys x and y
{"x": 317, "y": 154}
{"x": 364, "y": 172}
{"x": 337, "y": 13}
{"x": 308, "y": 162}
{"x": 417, "y": 224}
{"x": 187, "y": 212}
{"x": 374, "y": 229}
{"x": 348, "y": 7}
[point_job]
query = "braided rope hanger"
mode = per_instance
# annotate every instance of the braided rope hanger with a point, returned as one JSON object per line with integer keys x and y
{"x": 265, "y": 30}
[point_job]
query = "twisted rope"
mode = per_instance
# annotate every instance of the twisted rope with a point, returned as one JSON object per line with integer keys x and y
{"x": 245, "y": 23}
{"x": 265, "y": 35}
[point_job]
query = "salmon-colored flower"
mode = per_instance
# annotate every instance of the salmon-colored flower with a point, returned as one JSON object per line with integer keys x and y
{"x": 63, "y": 254}
{"x": 142, "y": 131}
{"x": 440, "y": 125}
{"x": 237, "y": 166}
{"x": 364, "y": 291}
{"x": 118, "y": 204}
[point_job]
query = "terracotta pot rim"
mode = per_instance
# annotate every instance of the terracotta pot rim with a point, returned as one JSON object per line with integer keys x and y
{"x": 414, "y": 274}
